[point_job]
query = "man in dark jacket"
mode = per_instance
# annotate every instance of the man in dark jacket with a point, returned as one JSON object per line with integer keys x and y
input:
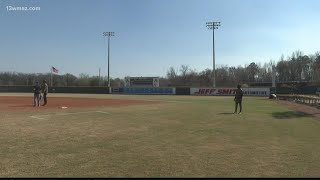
{"x": 36, "y": 96}
{"x": 238, "y": 99}
{"x": 44, "y": 90}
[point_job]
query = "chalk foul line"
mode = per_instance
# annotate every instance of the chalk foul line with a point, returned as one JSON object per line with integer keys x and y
{"x": 37, "y": 117}
{"x": 41, "y": 117}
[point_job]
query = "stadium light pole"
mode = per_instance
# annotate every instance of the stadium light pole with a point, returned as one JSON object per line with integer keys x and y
{"x": 213, "y": 25}
{"x": 108, "y": 34}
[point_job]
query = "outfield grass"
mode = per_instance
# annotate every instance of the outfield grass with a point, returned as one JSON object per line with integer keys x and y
{"x": 184, "y": 136}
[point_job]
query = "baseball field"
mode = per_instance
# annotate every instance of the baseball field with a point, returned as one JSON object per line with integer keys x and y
{"x": 156, "y": 136}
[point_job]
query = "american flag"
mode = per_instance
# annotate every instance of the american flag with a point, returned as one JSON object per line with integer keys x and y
{"x": 54, "y": 70}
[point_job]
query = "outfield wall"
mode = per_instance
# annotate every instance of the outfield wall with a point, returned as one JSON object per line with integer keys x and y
{"x": 292, "y": 90}
{"x": 229, "y": 91}
{"x": 18, "y": 89}
{"x": 157, "y": 90}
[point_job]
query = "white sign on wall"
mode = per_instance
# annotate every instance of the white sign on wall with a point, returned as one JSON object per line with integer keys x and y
{"x": 229, "y": 91}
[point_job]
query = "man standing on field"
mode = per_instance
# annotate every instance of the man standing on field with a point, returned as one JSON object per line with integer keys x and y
{"x": 36, "y": 96}
{"x": 44, "y": 90}
{"x": 238, "y": 99}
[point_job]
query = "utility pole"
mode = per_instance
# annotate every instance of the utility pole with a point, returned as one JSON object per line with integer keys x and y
{"x": 213, "y": 25}
{"x": 108, "y": 34}
{"x": 274, "y": 83}
{"x": 99, "y": 77}
{"x": 51, "y": 77}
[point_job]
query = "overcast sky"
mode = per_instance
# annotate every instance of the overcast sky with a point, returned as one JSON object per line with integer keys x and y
{"x": 152, "y": 35}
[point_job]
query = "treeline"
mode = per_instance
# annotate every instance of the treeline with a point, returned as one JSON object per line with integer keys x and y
{"x": 297, "y": 67}
{"x": 12, "y": 78}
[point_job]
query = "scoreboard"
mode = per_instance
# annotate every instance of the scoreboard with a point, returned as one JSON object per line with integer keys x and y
{"x": 141, "y": 82}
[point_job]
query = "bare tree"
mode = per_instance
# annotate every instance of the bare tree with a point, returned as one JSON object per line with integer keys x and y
{"x": 205, "y": 77}
{"x": 184, "y": 69}
{"x": 172, "y": 76}
{"x": 253, "y": 70}
{"x": 83, "y": 80}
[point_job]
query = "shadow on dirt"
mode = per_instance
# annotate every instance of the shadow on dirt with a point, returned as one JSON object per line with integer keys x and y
{"x": 290, "y": 114}
{"x": 229, "y": 113}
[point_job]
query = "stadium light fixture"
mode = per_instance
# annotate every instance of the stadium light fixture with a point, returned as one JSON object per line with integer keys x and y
{"x": 213, "y": 25}
{"x": 108, "y": 34}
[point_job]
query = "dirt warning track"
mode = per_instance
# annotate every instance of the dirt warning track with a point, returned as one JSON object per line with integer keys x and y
{"x": 22, "y": 103}
{"x": 306, "y": 109}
